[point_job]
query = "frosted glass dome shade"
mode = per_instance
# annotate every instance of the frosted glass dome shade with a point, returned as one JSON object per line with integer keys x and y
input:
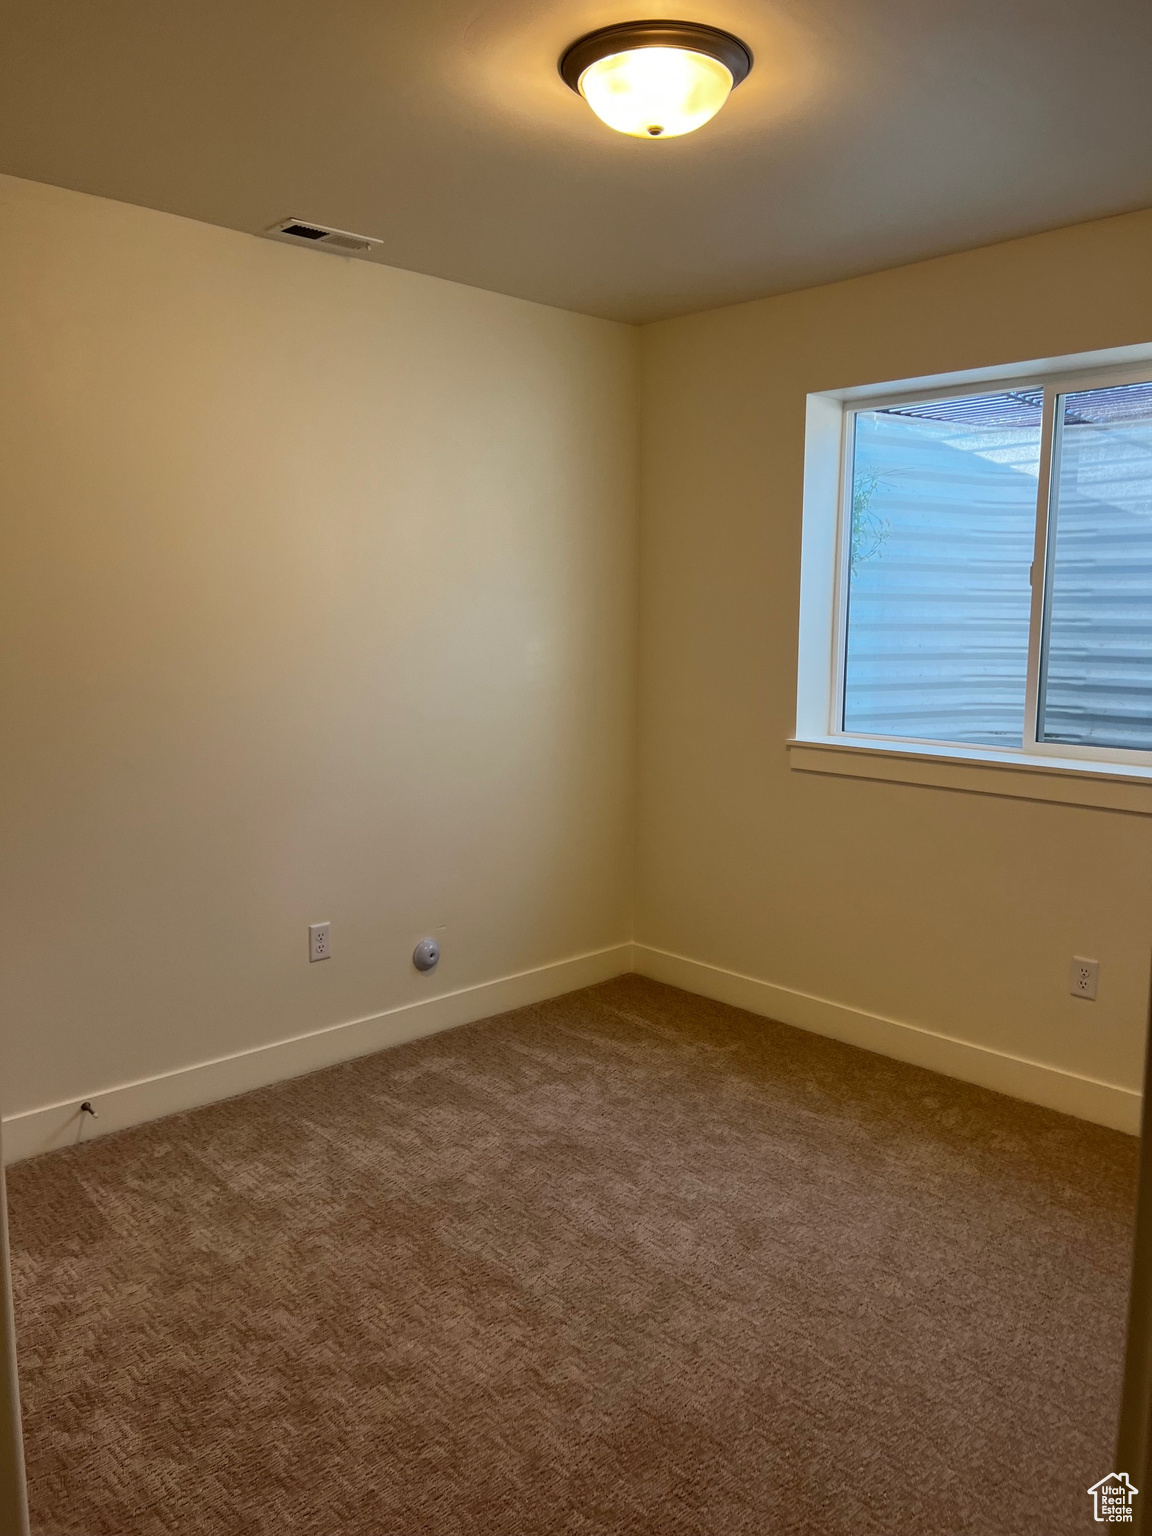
{"x": 656, "y": 93}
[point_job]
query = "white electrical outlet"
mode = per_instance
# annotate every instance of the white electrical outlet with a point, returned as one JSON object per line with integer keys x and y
{"x": 1083, "y": 977}
{"x": 319, "y": 941}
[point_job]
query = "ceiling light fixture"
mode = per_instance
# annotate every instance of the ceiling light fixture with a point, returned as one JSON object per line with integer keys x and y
{"x": 656, "y": 79}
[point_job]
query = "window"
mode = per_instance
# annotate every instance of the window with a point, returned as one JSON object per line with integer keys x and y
{"x": 940, "y": 530}
{"x": 1096, "y": 654}
{"x": 991, "y": 583}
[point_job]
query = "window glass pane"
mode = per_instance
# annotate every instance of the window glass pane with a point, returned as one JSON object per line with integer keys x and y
{"x": 1098, "y": 653}
{"x": 943, "y": 527}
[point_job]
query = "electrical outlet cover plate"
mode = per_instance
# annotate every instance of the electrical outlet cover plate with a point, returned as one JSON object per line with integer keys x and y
{"x": 319, "y": 941}
{"x": 1083, "y": 977}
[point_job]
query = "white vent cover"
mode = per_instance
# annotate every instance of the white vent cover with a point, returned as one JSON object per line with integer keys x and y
{"x": 304, "y": 232}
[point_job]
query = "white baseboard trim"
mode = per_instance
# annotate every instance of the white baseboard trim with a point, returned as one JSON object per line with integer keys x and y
{"x": 128, "y": 1104}
{"x": 1085, "y": 1097}
{"x": 59, "y": 1125}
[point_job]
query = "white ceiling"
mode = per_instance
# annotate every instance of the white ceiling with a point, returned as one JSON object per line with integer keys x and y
{"x": 870, "y": 133}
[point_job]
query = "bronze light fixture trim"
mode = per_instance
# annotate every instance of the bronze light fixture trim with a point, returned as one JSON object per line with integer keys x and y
{"x": 656, "y": 79}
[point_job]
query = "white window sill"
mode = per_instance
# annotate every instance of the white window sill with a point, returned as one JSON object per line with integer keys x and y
{"x": 979, "y": 771}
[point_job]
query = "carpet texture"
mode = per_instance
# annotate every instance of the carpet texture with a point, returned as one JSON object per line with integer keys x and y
{"x": 626, "y": 1263}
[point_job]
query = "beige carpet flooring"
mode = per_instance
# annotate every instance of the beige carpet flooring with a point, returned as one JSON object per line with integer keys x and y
{"x": 627, "y": 1263}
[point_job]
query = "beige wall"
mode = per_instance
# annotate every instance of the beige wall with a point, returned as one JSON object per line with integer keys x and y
{"x": 956, "y": 913}
{"x": 317, "y": 602}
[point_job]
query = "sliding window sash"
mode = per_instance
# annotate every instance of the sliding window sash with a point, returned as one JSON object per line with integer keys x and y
{"x": 1041, "y": 575}
{"x": 1054, "y": 387}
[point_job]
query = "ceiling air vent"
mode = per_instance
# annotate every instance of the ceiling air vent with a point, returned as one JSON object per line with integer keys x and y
{"x": 319, "y": 235}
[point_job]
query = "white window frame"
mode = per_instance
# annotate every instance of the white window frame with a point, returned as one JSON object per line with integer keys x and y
{"x": 1114, "y": 778}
